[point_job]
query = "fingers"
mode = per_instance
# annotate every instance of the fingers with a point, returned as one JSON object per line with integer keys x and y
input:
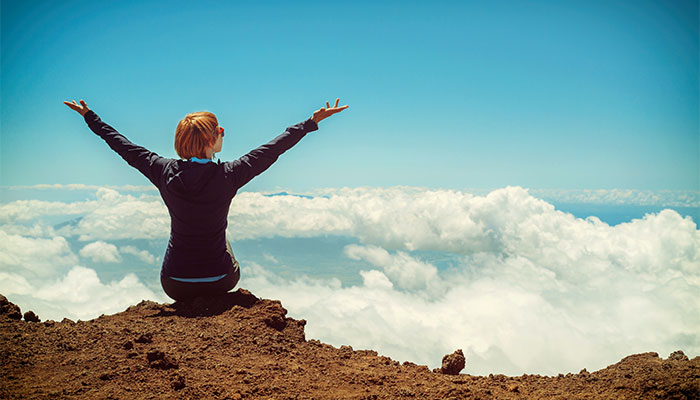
{"x": 337, "y": 100}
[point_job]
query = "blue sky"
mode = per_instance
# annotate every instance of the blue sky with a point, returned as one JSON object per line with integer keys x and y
{"x": 540, "y": 94}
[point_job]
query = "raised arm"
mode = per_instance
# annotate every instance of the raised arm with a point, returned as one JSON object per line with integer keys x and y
{"x": 241, "y": 171}
{"x": 244, "y": 169}
{"x": 147, "y": 162}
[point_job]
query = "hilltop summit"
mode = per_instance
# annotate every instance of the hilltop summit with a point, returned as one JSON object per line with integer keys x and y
{"x": 239, "y": 346}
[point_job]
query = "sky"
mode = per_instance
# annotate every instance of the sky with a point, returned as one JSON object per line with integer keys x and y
{"x": 446, "y": 94}
{"x": 518, "y": 179}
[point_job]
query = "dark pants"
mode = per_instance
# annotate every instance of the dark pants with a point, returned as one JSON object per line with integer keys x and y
{"x": 183, "y": 291}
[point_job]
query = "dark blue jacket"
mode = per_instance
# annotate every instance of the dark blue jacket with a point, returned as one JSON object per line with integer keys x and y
{"x": 198, "y": 196}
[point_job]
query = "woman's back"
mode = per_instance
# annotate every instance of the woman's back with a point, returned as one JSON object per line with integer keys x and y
{"x": 198, "y": 198}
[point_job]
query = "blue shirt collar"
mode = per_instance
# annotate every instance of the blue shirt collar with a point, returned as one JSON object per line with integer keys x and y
{"x": 201, "y": 160}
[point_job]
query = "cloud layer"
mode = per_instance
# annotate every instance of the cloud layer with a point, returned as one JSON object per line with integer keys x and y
{"x": 534, "y": 289}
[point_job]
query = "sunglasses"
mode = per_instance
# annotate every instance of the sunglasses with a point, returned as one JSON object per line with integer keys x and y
{"x": 221, "y": 131}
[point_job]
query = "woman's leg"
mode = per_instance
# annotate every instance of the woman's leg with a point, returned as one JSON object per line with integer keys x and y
{"x": 235, "y": 273}
{"x": 181, "y": 291}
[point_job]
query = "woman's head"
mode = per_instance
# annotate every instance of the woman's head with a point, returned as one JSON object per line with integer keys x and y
{"x": 195, "y": 133}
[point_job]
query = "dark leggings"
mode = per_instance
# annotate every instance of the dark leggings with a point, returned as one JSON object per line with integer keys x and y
{"x": 183, "y": 291}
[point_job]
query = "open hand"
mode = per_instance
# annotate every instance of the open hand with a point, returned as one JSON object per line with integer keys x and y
{"x": 81, "y": 109}
{"x": 328, "y": 111}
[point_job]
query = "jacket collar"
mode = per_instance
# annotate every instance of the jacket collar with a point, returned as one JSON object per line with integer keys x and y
{"x": 201, "y": 160}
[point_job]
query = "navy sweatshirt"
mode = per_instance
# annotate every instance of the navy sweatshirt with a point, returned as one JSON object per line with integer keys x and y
{"x": 198, "y": 195}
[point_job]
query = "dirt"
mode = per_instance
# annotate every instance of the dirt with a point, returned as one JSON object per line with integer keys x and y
{"x": 238, "y": 346}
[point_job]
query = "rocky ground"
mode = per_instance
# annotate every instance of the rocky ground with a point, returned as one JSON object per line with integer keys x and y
{"x": 238, "y": 346}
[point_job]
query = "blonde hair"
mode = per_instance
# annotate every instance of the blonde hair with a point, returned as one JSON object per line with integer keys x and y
{"x": 195, "y": 133}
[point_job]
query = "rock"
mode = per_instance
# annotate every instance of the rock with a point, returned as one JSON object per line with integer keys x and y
{"x": 178, "y": 382}
{"x": 10, "y": 309}
{"x": 145, "y": 338}
{"x": 453, "y": 363}
{"x": 274, "y": 315}
{"x": 678, "y": 355}
{"x": 157, "y": 359}
{"x": 29, "y": 316}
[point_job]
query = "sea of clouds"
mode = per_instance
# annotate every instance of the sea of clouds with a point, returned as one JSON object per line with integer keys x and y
{"x": 533, "y": 289}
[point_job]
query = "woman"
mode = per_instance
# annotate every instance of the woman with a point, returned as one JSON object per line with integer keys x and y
{"x": 198, "y": 193}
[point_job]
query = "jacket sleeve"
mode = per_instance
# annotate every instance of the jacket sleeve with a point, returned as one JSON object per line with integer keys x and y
{"x": 147, "y": 162}
{"x": 241, "y": 171}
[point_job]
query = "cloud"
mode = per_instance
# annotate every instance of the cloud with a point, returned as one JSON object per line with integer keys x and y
{"x": 80, "y": 294}
{"x": 111, "y": 216}
{"x": 270, "y": 258}
{"x": 529, "y": 288}
{"x": 536, "y": 290}
{"x": 142, "y": 255}
{"x": 101, "y": 252}
{"x": 664, "y": 198}
{"x": 124, "y": 217}
{"x": 405, "y": 271}
{"x": 35, "y": 257}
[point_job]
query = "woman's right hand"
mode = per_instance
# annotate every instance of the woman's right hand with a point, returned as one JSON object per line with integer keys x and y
{"x": 81, "y": 109}
{"x": 327, "y": 111}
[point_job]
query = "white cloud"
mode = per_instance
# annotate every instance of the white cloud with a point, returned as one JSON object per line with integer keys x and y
{"x": 270, "y": 258}
{"x": 81, "y": 295}
{"x": 38, "y": 229}
{"x": 142, "y": 255}
{"x": 101, "y": 252}
{"x": 125, "y": 217}
{"x": 111, "y": 216}
{"x": 376, "y": 280}
{"x": 13, "y": 283}
{"x": 538, "y": 289}
{"x": 27, "y": 210}
{"x": 533, "y": 290}
{"x": 403, "y": 270}
{"x": 663, "y": 198}
{"x": 34, "y": 257}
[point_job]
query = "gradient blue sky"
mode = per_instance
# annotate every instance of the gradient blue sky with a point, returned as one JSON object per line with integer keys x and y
{"x": 445, "y": 94}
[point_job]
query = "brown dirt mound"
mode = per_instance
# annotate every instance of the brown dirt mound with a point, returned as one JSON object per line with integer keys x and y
{"x": 238, "y": 346}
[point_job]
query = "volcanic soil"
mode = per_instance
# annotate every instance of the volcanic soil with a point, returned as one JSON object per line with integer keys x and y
{"x": 238, "y": 346}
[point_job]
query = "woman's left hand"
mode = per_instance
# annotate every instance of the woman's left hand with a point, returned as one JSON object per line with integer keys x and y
{"x": 81, "y": 109}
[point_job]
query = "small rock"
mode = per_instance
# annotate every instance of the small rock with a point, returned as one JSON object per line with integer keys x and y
{"x": 178, "y": 382}
{"x": 678, "y": 355}
{"x": 275, "y": 316}
{"x": 453, "y": 363}
{"x": 144, "y": 338}
{"x": 155, "y": 355}
{"x": 157, "y": 359}
{"x": 10, "y": 309}
{"x": 29, "y": 316}
{"x": 128, "y": 345}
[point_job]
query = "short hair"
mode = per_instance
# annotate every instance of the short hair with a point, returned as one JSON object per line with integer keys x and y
{"x": 195, "y": 133}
